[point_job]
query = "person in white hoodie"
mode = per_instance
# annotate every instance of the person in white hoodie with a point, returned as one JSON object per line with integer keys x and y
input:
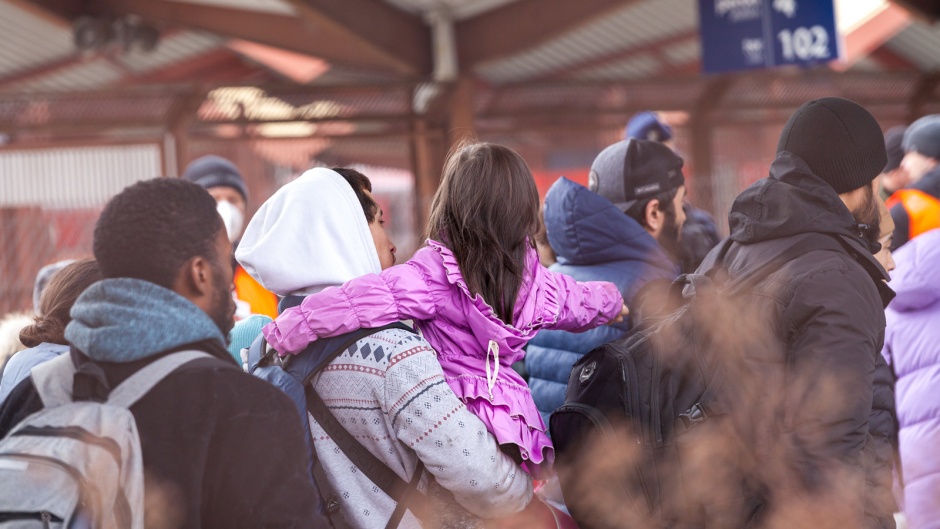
{"x": 388, "y": 389}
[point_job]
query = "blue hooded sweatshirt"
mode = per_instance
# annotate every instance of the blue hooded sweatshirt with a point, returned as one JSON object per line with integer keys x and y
{"x": 593, "y": 241}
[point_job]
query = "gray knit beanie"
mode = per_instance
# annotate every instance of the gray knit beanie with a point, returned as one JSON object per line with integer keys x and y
{"x": 923, "y": 136}
{"x": 214, "y": 171}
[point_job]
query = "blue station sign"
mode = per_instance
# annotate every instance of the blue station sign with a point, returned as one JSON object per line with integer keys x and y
{"x": 758, "y": 34}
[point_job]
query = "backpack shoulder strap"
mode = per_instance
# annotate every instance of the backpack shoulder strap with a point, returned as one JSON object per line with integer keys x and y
{"x": 138, "y": 384}
{"x": 326, "y": 350}
{"x": 378, "y": 472}
{"x": 53, "y": 380}
{"x": 751, "y": 279}
{"x": 709, "y": 404}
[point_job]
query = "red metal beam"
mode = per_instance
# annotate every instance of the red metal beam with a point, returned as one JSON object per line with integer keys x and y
{"x": 928, "y": 10}
{"x": 405, "y": 38}
{"x": 44, "y": 10}
{"x": 682, "y": 70}
{"x": 872, "y": 33}
{"x": 215, "y": 66}
{"x": 299, "y": 34}
{"x": 62, "y": 10}
{"x": 522, "y": 25}
{"x": 284, "y": 64}
{"x": 890, "y": 60}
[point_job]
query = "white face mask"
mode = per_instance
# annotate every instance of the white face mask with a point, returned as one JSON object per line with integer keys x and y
{"x": 232, "y": 217}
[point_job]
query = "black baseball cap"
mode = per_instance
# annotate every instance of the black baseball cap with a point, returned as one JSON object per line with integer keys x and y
{"x": 634, "y": 170}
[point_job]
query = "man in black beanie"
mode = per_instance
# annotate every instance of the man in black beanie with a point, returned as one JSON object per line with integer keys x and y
{"x": 812, "y": 397}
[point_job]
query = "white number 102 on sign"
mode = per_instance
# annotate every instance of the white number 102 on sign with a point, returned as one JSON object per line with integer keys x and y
{"x": 804, "y": 43}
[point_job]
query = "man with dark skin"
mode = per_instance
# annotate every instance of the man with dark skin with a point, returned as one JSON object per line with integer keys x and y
{"x": 206, "y": 428}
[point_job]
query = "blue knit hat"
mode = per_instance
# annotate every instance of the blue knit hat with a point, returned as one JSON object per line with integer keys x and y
{"x": 646, "y": 126}
{"x": 244, "y": 333}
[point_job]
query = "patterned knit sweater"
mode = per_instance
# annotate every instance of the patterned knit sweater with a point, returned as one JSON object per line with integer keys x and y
{"x": 388, "y": 391}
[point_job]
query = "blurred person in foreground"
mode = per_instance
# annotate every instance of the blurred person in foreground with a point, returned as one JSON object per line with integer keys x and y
{"x": 222, "y": 179}
{"x": 912, "y": 348}
{"x": 206, "y": 429}
{"x": 894, "y": 176}
{"x": 45, "y": 336}
{"x": 916, "y": 208}
{"x": 625, "y": 228}
{"x": 699, "y": 232}
{"x": 813, "y": 413}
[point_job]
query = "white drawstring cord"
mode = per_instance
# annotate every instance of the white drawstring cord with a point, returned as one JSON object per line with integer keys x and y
{"x": 492, "y": 349}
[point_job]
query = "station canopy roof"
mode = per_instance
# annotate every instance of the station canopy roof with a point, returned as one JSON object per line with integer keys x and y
{"x": 368, "y": 68}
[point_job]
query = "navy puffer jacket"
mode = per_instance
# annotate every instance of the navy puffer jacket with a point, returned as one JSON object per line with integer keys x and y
{"x": 593, "y": 241}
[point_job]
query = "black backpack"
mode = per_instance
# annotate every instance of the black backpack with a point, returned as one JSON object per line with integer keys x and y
{"x": 642, "y": 436}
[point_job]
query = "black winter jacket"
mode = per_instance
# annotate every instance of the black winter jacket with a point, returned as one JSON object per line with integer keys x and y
{"x": 814, "y": 399}
{"x": 220, "y": 448}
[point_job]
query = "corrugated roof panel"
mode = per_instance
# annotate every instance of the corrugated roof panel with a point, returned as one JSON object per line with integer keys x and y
{"x": 867, "y": 64}
{"x": 281, "y": 7}
{"x": 684, "y": 52}
{"x": 633, "y": 68}
{"x": 29, "y": 41}
{"x": 574, "y": 98}
{"x": 82, "y": 76}
{"x": 171, "y": 49}
{"x": 920, "y": 44}
{"x": 74, "y": 177}
{"x": 632, "y": 26}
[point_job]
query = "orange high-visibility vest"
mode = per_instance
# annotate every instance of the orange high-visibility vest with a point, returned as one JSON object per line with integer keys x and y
{"x": 250, "y": 291}
{"x": 923, "y": 210}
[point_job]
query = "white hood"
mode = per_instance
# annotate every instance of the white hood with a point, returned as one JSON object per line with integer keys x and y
{"x": 310, "y": 235}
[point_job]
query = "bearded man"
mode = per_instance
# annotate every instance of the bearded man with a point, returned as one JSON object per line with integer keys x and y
{"x": 624, "y": 228}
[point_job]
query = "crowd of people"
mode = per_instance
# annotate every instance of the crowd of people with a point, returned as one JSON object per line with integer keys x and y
{"x": 443, "y": 422}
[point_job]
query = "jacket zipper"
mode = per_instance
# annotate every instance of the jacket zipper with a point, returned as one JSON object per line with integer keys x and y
{"x": 656, "y": 435}
{"x": 45, "y": 516}
{"x": 628, "y": 374}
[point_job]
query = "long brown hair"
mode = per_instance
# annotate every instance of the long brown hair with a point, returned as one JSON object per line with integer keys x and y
{"x": 56, "y": 302}
{"x": 486, "y": 211}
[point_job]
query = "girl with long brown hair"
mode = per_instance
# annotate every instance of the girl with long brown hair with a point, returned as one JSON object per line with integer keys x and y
{"x": 476, "y": 292}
